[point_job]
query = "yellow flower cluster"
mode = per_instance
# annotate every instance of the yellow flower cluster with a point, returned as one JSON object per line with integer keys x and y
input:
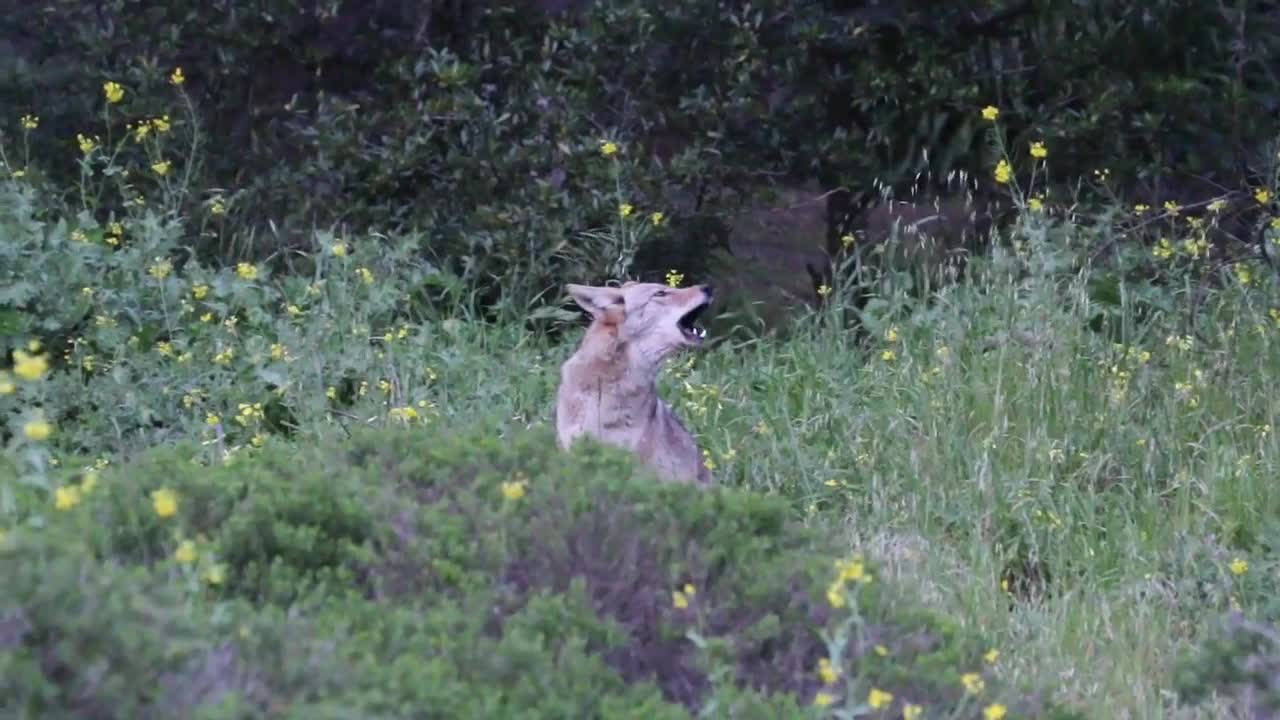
{"x": 680, "y": 598}
{"x": 847, "y": 571}
{"x": 515, "y": 488}
{"x": 113, "y": 91}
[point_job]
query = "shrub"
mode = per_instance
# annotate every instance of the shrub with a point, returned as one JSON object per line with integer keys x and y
{"x": 1239, "y": 662}
{"x": 466, "y": 573}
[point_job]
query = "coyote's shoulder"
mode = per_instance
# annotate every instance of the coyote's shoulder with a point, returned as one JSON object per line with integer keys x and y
{"x": 608, "y": 387}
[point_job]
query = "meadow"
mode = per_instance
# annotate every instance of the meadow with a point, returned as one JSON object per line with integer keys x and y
{"x": 298, "y": 487}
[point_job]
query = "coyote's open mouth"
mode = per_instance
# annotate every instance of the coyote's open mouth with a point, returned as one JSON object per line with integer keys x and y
{"x": 693, "y": 333}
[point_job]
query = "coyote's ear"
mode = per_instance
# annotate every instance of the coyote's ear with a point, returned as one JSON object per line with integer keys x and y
{"x": 595, "y": 300}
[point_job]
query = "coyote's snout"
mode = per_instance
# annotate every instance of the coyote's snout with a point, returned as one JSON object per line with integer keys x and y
{"x": 608, "y": 388}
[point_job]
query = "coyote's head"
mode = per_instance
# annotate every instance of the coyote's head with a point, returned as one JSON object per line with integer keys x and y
{"x": 656, "y": 319}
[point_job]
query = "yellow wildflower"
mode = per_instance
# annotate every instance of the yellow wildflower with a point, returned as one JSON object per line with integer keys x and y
{"x": 1172, "y": 207}
{"x": 625, "y": 210}
{"x": 1239, "y": 566}
{"x": 608, "y": 147}
{"x": 161, "y": 168}
{"x": 186, "y": 552}
{"x": 29, "y": 367}
{"x": 160, "y": 269}
{"x": 1216, "y": 205}
{"x": 165, "y": 502}
{"x": 217, "y": 207}
{"x": 86, "y": 144}
{"x": 200, "y": 291}
{"x": 994, "y": 711}
{"x": 679, "y": 600}
{"x": 113, "y": 91}
{"x": 366, "y": 275}
{"x": 991, "y": 656}
{"x": 339, "y": 249}
{"x": 1196, "y": 247}
{"x": 66, "y": 497}
{"x": 888, "y": 356}
{"x": 973, "y": 683}
{"x": 1039, "y": 151}
{"x": 912, "y": 712}
{"x": 1163, "y": 249}
{"x": 990, "y": 113}
{"x": 176, "y": 78}
{"x": 216, "y": 574}
{"x": 513, "y": 489}
{"x": 1035, "y": 204}
{"x": 1003, "y": 172}
{"x": 657, "y": 218}
{"x": 160, "y": 124}
{"x": 6, "y": 384}
{"x": 674, "y": 278}
{"x": 1262, "y": 195}
{"x": 853, "y": 570}
{"x": 823, "y": 699}
{"x": 37, "y": 430}
{"x": 836, "y": 595}
{"x": 248, "y": 271}
{"x": 404, "y": 414}
{"x": 30, "y": 122}
{"x": 827, "y": 671}
{"x": 879, "y": 699}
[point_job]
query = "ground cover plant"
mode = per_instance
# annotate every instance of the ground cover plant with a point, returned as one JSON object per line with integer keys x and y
{"x": 323, "y": 484}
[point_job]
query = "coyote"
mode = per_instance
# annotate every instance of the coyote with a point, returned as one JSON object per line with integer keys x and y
{"x": 608, "y": 387}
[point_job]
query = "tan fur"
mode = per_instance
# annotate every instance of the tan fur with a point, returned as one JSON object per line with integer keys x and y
{"x": 608, "y": 387}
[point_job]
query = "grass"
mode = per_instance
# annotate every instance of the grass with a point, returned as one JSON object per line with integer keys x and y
{"x": 1073, "y": 477}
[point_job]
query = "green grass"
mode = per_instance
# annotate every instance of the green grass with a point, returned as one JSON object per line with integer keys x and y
{"x": 1068, "y": 472}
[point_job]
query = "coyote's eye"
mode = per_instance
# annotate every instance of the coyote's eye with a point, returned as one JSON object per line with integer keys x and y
{"x": 661, "y": 293}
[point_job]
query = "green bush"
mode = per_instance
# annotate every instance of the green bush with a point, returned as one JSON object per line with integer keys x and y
{"x": 1240, "y": 662}
{"x": 450, "y": 575}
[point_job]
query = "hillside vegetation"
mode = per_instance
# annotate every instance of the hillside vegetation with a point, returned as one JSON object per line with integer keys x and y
{"x": 276, "y": 395}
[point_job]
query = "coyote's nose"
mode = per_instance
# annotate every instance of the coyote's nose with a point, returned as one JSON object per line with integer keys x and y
{"x": 708, "y": 290}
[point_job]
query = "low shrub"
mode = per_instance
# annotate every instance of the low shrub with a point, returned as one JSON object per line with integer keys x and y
{"x": 452, "y": 575}
{"x": 1239, "y": 662}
